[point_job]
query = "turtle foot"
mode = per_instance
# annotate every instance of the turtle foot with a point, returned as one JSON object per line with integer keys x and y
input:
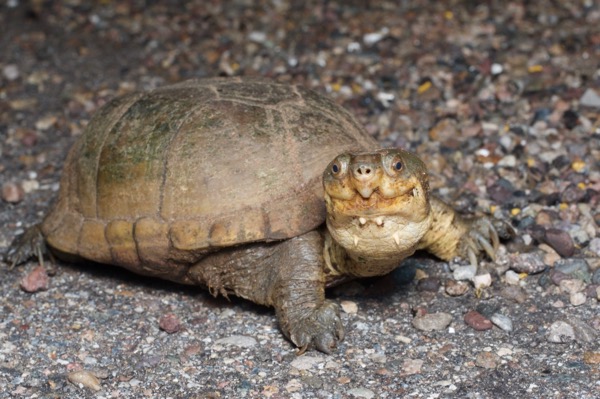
{"x": 322, "y": 329}
{"x": 483, "y": 236}
{"x": 29, "y": 244}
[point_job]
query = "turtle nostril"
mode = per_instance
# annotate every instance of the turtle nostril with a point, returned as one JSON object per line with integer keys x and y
{"x": 363, "y": 170}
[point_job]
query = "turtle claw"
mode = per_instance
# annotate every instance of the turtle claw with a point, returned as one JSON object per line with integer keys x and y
{"x": 472, "y": 257}
{"x": 29, "y": 244}
{"x": 322, "y": 329}
{"x": 483, "y": 236}
{"x": 490, "y": 249}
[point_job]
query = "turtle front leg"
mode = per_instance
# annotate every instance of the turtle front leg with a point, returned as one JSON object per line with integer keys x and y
{"x": 288, "y": 276}
{"x": 27, "y": 245}
{"x": 452, "y": 235}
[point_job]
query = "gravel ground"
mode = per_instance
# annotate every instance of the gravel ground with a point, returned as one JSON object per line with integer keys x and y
{"x": 502, "y": 100}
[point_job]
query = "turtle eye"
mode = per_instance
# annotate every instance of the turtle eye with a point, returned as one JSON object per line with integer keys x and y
{"x": 339, "y": 166}
{"x": 393, "y": 162}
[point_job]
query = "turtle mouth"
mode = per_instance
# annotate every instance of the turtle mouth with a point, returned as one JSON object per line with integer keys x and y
{"x": 375, "y": 207}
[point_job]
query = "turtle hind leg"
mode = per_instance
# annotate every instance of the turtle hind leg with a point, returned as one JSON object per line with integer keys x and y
{"x": 27, "y": 245}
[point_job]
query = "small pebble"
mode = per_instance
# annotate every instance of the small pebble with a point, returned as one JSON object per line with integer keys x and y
{"x": 583, "y": 331}
{"x": 482, "y": 281}
{"x": 557, "y": 276}
{"x": 12, "y": 192}
{"x": 46, "y": 122}
{"x": 514, "y": 293}
{"x": 509, "y": 161}
{"x": 476, "y": 321}
{"x": 501, "y": 321}
{"x": 36, "y": 280}
{"x": 594, "y": 245}
{"x": 550, "y": 258}
{"x": 169, "y": 323}
{"x": 30, "y": 185}
{"x": 571, "y": 285}
{"x": 501, "y": 191}
{"x": 411, "y": 366}
{"x": 306, "y": 362}
{"x": 496, "y": 69}
{"x": 596, "y": 277}
{"x": 374, "y": 37}
{"x": 84, "y": 378}
{"x": 456, "y": 288}
{"x": 580, "y": 237}
{"x": 241, "y": 341}
{"x": 574, "y": 267}
{"x": 11, "y": 72}
{"x": 429, "y": 284}
{"x": 512, "y": 278}
{"x": 590, "y": 290}
{"x": 560, "y": 332}
{"x": 465, "y": 272}
{"x": 572, "y": 194}
{"x": 487, "y": 360}
{"x": 577, "y": 298}
{"x": 561, "y": 241}
{"x": 349, "y": 307}
{"x": 432, "y": 321}
{"x": 529, "y": 262}
{"x": 362, "y": 393}
{"x": 591, "y": 357}
{"x": 590, "y": 98}
{"x": 545, "y": 281}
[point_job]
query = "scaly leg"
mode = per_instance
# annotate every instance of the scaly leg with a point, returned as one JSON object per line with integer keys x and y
{"x": 287, "y": 275}
{"x": 453, "y": 235}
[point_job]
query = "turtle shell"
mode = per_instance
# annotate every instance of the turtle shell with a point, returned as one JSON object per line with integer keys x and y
{"x": 160, "y": 179}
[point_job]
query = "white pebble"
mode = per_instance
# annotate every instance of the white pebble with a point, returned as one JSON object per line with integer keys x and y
{"x": 306, "y": 362}
{"x": 353, "y": 47}
{"x": 372, "y": 38}
{"x": 482, "y": 281}
{"x": 30, "y": 185}
{"x": 572, "y": 285}
{"x": 590, "y": 98}
{"x": 237, "y": 340}
{"x": 362, "y": 393}
{"x": 561, "y": 332}
{"x": 432, "y": 321}
{"x": 577, "y": 298}
{"x": 385, "y": 98}
{"x": 496, "y": 69}
{"x": 464, "y": 272}
{"x": 84, "y": 378}
{"x": 502, "y": 322}
{"x": 349, "y": 307}
{"x": 258, "y": 37}
{"x": 509, "y": 161}
{"x": 10, "y": 72}
{"x": 512, "y": 277}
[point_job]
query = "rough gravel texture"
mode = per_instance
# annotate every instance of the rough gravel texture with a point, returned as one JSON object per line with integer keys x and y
{"x": 501, "y": 99}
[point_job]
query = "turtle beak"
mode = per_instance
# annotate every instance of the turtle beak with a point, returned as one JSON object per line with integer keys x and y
{"x": 366, "y": 174}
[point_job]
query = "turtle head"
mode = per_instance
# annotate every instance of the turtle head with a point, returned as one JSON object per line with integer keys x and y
{"x": 377, "y": 202}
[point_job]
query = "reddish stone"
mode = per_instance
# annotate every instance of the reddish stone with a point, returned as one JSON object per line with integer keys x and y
{"x": 476, "y": 321}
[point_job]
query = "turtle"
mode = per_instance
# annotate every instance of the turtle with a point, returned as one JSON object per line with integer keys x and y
{"x": 248, "y": 187}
